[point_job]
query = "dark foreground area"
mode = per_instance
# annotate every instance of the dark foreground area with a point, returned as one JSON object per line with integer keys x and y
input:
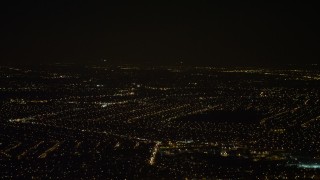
{"x": 67, "y": 121}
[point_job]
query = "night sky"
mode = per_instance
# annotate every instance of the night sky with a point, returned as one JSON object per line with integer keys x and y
{"x": 161, "y": 33}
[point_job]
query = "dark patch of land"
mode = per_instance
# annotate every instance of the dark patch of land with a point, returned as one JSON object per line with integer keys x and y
{"x": 221, "y": 116}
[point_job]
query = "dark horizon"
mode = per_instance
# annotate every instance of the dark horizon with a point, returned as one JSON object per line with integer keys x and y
{"x": 167, "y": 33}
{"x": 113, "y": 64}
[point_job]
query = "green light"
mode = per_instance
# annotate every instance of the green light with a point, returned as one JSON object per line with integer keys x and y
{"x": 309, "y": 166}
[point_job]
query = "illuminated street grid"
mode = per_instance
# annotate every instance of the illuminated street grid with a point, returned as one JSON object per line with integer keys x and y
{"x": 173, "y": 122}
